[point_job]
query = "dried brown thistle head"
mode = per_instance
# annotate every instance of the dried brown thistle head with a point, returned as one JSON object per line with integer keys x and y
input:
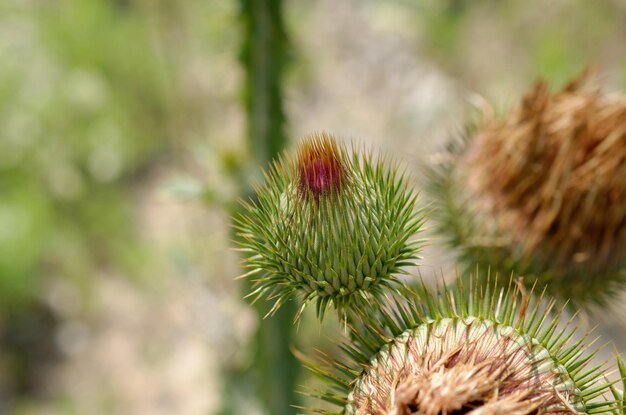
{"x": 476, "y": 351}
{"x": 465, "y": 368}
{"x": 541, "y": 191}
{"x": 554, "y": 173}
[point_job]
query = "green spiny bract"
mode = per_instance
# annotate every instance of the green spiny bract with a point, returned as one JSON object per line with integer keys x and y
{"x": 541, "y": 192}
{"x": 330, "y": 226}
{"x": 477, "y": 351}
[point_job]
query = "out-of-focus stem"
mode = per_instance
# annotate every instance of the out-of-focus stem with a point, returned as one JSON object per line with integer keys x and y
{"x": 263, "y": 57}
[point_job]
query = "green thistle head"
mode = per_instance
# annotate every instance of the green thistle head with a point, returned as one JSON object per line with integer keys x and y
{"x": 330, "y": 226}
{"x": 541, "y": 192}
{"x": 480, "y": 351}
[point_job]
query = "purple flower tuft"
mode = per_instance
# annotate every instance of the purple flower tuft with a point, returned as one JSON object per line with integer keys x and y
{"x": 320, "y": 170}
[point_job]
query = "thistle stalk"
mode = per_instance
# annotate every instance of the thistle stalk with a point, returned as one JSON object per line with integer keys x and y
{"x": 264, "y": 55}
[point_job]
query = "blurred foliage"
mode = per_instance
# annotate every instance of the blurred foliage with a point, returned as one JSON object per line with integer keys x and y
{"x": 82, "y": 113}
{"x": 493, "y": 42}
{"x": 83, "y": 116}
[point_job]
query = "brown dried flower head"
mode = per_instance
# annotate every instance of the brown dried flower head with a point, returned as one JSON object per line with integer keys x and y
{"x": 463, "y": 367}
{"x": 542, "y": 191}
{"x": 481, "y": 351}
{"x": 554, "y": 171}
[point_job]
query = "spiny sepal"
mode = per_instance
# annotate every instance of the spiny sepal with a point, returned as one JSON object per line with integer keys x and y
{"x": 474, "y": 351}
{"x": 331, "y": 226}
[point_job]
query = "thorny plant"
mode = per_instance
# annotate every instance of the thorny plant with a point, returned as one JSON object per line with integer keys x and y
{"x": 336, "y": 227}
{"x": 480, "y": 350}
{"x": 330, "y": 226}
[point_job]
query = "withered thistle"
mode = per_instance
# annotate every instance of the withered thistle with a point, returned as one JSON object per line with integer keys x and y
{"x": 541, "y": 191}
{"x": 331, "y": 226}
{"x": 476, "y": 352}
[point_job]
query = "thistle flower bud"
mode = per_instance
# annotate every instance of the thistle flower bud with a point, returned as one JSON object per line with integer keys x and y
{"x": 330, "y": 227}
{"x": 542, "y": 192}
{"x": 474, "y": 352}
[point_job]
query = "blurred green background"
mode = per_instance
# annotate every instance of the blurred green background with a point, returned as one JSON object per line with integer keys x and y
{"x": 129, "y": 129}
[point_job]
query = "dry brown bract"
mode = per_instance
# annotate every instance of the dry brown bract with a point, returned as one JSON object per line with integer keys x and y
{"x": 554, "y": 173}
{"x": 464, "y": 368}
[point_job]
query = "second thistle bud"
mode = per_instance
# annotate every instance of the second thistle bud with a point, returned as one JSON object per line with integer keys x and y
{"x": 329, "y": 226}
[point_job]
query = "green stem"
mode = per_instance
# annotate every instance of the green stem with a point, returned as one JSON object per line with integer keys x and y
{"x": 263, "y": 57}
